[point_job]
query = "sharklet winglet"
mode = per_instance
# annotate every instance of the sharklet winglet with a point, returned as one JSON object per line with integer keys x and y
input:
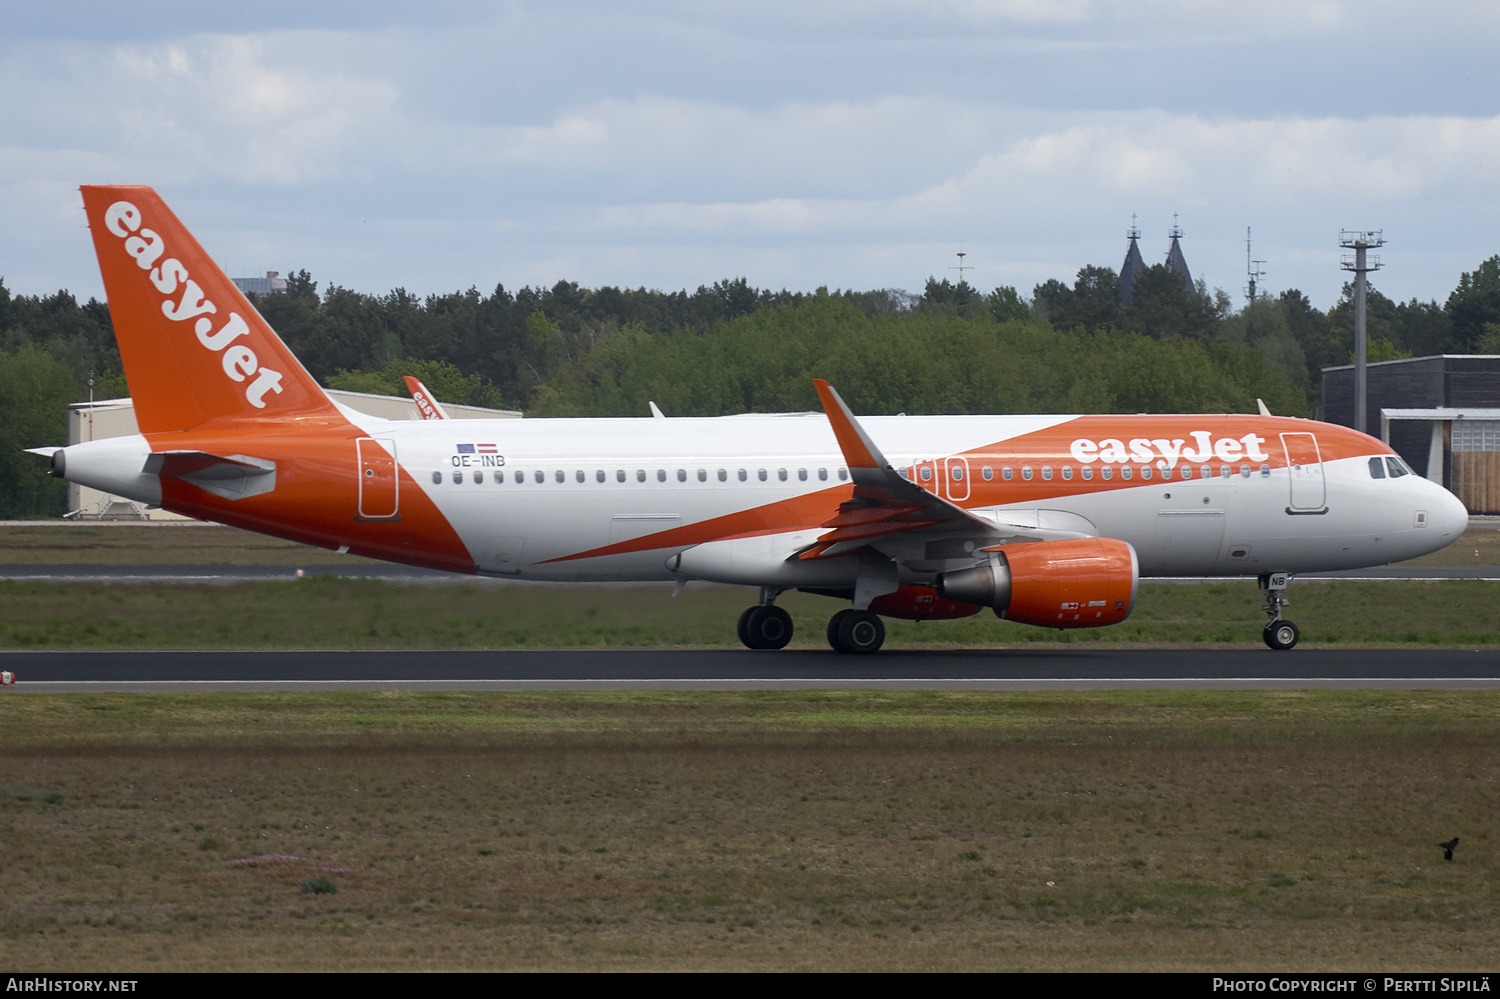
{"x": 859, "y": 450}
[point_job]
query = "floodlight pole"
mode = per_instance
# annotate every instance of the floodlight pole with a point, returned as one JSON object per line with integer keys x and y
{"x": 1360, "y": 241}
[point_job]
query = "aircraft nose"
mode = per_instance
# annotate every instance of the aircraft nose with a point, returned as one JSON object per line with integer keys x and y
{"x": 1454, "y": 516}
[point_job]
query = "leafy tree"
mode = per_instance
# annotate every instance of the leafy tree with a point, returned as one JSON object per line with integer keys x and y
{"x": 1475, "y": 302}
{"x": 1006, "y": 304}
{"x": 35, "y": 389}
{"x": 948, "y": 299}
{"x": 1163, "y": 308}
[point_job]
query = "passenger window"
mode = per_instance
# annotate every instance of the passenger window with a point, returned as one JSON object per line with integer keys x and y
{"x": 661, "y": 475}
{"x": 843, "y": 474}
{"x": 1245, "y": 471}
{"x": 1026, "y": 472}
{"x": 1377, "y": 468}
{"x": 1187, "y": 471}
{"x": 702, "y": 475}
{"x": 781, "y": 474}
{"x": 987, "y": 472}
{"x": 1145, "y": 471}
{"x": 822, "y": 475}
{"x": 801, "y": 475}
{"x": 539, "y": 475}
{"x": 1067, "y": 471}
{"x": 437, "y": 477}
{"x": 1047, "y": 472}
{"x": 761, "y": 475}
{"x": 682, "y": 475}
{"x": 1107, "y": 472}
{"x": 458, "y": 476}
{"x": 723, "y": 475}
{"x": 958, "y": 473}
{"x": 1265, "y": 471}
{"x": 1225, "y": 471}
{"x": 925, "y": 473}
{"x": 561, "y": 477}
{"x": 640, "y": 475}
{"x": 1125, "y": 471}
{"x": 478, "y": 475}
{"x": 1087, "y": 471}
{"x": 743, "y": 475}
{"x": 599, "y": 475}
{"x": 580, "y": 476}
{"x": 500, "y": 476}
{"x": 1206, "y": 472}
{"x": 1006, "y": 473}
{"x": 619, "y": 475}
{"x": 1397, "y": 468}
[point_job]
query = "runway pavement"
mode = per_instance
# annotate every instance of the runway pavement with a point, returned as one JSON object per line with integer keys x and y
{"x": 1050, "y": 669}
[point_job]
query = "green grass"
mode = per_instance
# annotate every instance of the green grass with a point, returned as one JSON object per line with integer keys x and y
{"x": 771, "y": 830}
{"x": 329, "y": 612}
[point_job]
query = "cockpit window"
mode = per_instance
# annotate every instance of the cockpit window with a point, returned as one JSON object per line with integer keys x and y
{"x": 1397, "y": 468}
{"x": 1377, "y": 468}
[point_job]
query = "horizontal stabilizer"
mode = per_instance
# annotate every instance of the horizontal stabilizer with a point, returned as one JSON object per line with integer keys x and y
{"x": 232, "y": 477}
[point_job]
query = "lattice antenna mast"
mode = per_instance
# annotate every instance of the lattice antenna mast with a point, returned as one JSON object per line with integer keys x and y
{"x": 1361, "y": 263}
{"x": 961, "y": 266}
{"x": 1253, "y": 269}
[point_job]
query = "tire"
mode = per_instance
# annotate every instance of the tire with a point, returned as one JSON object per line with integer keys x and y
{"x": 1281, "y": 635}
{"x": 743, "y": 628}
{"x": 833, "y": 628}
{"x": 767, "y": 627}
{"x": 861, "y": 633}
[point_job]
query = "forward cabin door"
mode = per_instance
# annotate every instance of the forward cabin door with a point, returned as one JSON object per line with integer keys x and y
{"x": 1305, "y": 469}
{"x": 378, "y": 483}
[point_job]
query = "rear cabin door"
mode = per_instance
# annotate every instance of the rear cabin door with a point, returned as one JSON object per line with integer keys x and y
{"x": 378, "y": 482}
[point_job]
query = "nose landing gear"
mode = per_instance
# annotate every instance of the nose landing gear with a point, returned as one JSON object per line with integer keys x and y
{"x": 1278, "y": 634}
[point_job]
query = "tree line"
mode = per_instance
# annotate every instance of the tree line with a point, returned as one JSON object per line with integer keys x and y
{"x": 731, "y": 347}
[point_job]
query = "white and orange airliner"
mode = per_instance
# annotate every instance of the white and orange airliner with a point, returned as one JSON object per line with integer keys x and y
{"x": 1047, "y": 520}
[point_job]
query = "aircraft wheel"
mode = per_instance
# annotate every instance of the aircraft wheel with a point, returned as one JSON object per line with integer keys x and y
{"x": 765, "y": 628}
{"x": 861, "y": 633}
{"x": 743, "y": 627}
{"x": 1281, "y": 635}
{"x": 834, "y": 624}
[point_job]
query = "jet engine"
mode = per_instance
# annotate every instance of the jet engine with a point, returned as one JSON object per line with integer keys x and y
{"x": 1083, "y": 583}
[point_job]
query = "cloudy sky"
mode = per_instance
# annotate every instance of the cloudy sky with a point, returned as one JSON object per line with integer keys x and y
{"x": 440, "y": 145}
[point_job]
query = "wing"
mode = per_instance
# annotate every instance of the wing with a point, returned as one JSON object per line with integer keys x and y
{"x": 899, "y": 518}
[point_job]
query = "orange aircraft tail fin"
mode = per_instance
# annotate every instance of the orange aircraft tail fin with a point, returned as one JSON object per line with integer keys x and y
{"x": 194, "y": 349}
{"x": 427, "y": 405}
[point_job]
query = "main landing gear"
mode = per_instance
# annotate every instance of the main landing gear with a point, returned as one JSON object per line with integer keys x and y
{"x": 1278, "y": 634}
{"x": 856, "y": 632}
{"x": 766, "y": 626}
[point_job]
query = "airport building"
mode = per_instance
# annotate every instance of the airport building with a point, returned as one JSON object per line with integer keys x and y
{"x": 1440, "y": 413}
{"x": 89, "y": 421}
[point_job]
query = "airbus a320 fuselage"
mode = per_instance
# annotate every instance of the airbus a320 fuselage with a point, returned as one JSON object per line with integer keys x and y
{"x": 1047, "y": 520}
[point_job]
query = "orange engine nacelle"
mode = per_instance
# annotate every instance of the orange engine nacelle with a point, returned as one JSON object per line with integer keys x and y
{"x": 1085, "y": 583}
{"x": 920, "y": 603}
